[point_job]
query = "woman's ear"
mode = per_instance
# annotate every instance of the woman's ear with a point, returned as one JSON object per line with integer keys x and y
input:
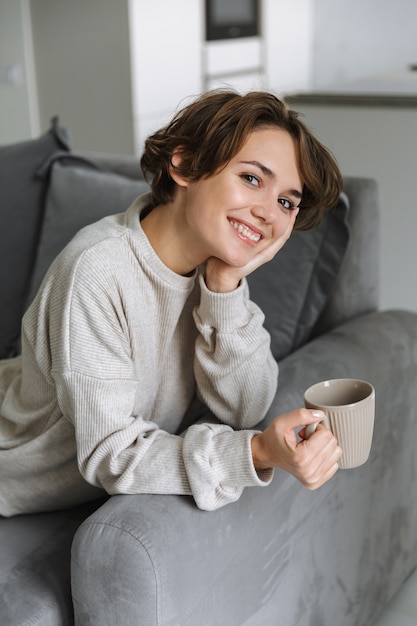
{"x": 176, "y": 167}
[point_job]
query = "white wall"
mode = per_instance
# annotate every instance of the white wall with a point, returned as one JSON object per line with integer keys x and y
{"x": 288, "y": 31}
{"x": 359, "y": 38}
{"x": 83, "y": 70}
{"x": 18, "y": 104}
{"x": 380, "y": 143}
{"x": 166, "y": 60}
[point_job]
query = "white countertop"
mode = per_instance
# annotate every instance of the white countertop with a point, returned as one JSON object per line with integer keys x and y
{"x": 395, "y": 88}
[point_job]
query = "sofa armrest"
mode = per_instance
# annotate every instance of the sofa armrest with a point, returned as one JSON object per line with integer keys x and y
{"x": 281, "y": 555}
{"x": 357, "y": 288}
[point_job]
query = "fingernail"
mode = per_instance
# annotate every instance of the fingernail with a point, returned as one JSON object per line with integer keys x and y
{"x": 318, "y": 414}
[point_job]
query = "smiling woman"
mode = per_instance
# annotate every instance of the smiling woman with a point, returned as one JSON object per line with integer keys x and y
{"x": 256, "y": 192}
{"x": 144, "y": 325}
{"x": 213, "y": 129}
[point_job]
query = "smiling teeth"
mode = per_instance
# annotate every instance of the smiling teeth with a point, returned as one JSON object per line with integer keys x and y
{"x": 245, "y": 231}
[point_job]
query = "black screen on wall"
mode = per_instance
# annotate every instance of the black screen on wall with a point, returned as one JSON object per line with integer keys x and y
{"x": 228, "y": 19}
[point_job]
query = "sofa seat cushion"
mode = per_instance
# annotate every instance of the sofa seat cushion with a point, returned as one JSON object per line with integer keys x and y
{"x": 293, "y": 288}
{"x": 22, "y": 197}
{"x": 35, "y": 566}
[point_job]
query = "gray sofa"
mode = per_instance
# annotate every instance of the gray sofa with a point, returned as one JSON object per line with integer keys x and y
{"x": 281, "y": 555}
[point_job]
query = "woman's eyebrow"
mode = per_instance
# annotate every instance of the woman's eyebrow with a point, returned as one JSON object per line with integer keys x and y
{"x": 265, "y": 170}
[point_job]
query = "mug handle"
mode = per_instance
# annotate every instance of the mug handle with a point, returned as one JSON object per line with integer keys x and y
{"x": 311, "y": 428}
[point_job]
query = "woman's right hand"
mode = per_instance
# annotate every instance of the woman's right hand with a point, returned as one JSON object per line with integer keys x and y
{"x": 221, "y": 277}
{"x": 313, "y": 462}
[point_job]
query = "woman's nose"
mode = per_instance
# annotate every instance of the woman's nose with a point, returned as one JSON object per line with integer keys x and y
{"x": 266, "y": 209}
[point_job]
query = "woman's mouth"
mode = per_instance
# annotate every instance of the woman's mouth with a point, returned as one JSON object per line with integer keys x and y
{"x": 245, "y": 231}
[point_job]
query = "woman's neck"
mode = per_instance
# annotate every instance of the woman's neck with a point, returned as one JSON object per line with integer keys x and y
{"x": 168, "y": 237}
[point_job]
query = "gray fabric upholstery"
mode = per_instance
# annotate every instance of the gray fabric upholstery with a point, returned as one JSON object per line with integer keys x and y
{"x": 357, "y": 289}
{"x": 283, "y": 556}
{"x": 117, "y": 164}
{"x": 35, "y": 567}
{"x": 78, "y": 194}
{"x": 22, "y": 195}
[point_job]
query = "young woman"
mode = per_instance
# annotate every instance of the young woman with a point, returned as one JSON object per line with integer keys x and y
{"x": 145, "y": 366}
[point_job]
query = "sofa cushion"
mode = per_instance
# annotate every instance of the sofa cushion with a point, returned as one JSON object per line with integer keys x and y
{"x": 22, "y": 196}
{"x": 293, "y": 288}
{"x": 35, "y": 566}
{"x": 79, "y": 193}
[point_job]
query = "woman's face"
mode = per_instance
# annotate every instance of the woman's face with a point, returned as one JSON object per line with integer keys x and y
{"x": 247, "y": 205}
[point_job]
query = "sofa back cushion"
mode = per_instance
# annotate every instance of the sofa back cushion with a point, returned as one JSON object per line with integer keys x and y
{"x": 22, "y": 196}
{"x": 357, "y": 289}
{"x": 293, "y": 288}
{"x": 79, "y": 193}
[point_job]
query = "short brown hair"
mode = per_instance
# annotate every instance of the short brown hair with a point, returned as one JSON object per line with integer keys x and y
{"x": 212, "y": 129}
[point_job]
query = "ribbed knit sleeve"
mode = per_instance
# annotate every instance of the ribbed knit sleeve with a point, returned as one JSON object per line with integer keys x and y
{"x": 219, "y": 464}
{"x": 118, "y": 450}
{"x": 236, "y": 373}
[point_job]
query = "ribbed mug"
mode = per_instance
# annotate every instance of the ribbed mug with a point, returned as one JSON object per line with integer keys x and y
{"x": 349, "y": 405}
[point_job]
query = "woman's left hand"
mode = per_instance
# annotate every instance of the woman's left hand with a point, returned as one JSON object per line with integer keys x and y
{"x": 221, "y": 277}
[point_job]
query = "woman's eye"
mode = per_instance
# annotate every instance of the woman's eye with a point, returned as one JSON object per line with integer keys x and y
{"x": 287, "y": 204}
{"x": 253, "y": 180}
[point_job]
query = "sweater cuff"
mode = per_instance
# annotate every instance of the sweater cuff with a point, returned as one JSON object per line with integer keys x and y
{"x": 219, "y": 464}
{"x": 224, "y": 311}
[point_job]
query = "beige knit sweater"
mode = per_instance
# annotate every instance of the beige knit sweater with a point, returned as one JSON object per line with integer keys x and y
{"x": 114, "y": 349}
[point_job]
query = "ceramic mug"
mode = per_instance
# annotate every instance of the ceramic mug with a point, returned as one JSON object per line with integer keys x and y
{"x": 349, "y": 407}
